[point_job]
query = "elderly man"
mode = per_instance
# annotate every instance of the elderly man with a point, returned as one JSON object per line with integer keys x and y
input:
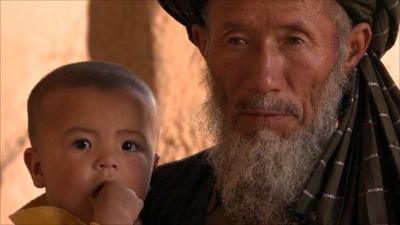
{"x": 306, "y": 117}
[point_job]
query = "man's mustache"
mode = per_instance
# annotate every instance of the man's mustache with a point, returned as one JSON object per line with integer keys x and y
{"x": 269, "y": 104}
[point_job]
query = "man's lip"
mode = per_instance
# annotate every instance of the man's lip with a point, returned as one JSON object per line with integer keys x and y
{"x": 263, "y": 113}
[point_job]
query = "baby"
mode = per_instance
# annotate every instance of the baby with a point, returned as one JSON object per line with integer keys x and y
{"x": 93, "y": 129}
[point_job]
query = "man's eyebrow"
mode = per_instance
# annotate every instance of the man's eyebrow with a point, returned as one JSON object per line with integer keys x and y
{"x": 233, "y": 24}
{"x": 297, "y": 26}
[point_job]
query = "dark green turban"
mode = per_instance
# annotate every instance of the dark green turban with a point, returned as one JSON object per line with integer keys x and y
{"x": 357, "y": 180}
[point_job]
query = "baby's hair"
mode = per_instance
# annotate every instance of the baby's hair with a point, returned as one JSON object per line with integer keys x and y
{"x": 96, "y": 74}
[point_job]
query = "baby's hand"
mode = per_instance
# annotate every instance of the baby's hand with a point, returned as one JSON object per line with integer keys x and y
{"x": 116, "y": 204}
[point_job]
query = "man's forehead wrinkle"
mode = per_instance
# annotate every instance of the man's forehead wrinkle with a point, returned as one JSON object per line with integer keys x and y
{"x": 235, "y": 13}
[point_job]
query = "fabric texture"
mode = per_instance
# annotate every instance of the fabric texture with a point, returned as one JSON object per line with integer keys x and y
{"x": 382, "y": 15}
{"x": 357, "y": 180}
{"x": 44, "y": 215}
{"x": 180, "y": 192}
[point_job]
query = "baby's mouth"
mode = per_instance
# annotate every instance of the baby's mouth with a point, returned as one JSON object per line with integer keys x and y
{"x": 97, "y": 190}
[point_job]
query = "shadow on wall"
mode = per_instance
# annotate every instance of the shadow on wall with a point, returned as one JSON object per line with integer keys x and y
{"x": 120, "y": 32}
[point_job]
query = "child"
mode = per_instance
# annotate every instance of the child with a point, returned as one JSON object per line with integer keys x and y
{"x": 93, "y": 129}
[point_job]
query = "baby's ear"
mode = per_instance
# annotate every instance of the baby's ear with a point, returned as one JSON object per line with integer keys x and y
{"x": 156, "y": 159}
{"x": 34, "y": 166}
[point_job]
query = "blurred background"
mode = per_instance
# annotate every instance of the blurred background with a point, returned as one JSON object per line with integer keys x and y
{"x": 38, "y": 36}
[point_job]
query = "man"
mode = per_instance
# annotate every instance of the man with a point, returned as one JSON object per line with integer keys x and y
{"x": 306, "y": 118}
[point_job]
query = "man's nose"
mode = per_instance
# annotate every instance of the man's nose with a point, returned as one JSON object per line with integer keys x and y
{"x": 268, "y": 73}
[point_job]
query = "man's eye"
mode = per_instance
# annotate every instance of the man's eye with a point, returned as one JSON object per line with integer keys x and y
{"x": 82, "y": 144}
{"x": 237, "y": 41}
{"x": 129, "y": 146}
{"x": 293, "y": 40}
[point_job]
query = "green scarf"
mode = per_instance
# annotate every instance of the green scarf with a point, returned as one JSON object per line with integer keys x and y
{"x": 357, "y": 180}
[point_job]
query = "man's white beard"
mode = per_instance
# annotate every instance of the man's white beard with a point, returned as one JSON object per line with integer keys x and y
{"x": 259, "y": 176}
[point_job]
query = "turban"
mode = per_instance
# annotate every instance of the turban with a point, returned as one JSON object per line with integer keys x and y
{"x": 357, "y": 179}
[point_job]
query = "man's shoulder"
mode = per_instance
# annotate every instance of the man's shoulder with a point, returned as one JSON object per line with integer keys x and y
{"x": 191, "y": 164}
{"x": 180, "y": 191}
{"x": 182, "y": 174}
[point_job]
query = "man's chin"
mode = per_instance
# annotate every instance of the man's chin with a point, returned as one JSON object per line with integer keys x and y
{"x": 282, "y": 129}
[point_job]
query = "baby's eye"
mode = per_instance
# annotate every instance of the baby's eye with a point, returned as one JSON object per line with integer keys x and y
{"x": 129, "y": 146}
{"x": 82, "y": 144}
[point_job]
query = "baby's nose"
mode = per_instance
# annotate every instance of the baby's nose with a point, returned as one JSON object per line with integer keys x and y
{"x": 106, "y": 162}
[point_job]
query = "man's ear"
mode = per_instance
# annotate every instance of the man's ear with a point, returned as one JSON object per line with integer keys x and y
{"x": 357, "y": 44}
{"x": 156, "y": 159}
{"x": 200, "y": 38}
{"x": 34, "y": 166}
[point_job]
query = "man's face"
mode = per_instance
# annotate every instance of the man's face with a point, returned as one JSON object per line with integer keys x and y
{"x": 269, "y": 61}
{"x": 276, "y": 81}
{"x": 87, "y": 137}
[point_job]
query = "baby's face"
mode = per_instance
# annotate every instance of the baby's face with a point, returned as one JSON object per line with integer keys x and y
{"x": 88, "y": 136}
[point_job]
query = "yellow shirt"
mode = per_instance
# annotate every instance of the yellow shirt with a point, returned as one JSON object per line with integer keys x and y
{"x": 44, "y": 215}
{"x": 37, "y": 212}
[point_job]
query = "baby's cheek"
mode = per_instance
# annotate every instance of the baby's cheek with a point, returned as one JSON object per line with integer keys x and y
{"x": 139, "y": 182}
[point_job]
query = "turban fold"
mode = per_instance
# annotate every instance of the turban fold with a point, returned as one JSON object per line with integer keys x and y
{"x": 357, "y": 180}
